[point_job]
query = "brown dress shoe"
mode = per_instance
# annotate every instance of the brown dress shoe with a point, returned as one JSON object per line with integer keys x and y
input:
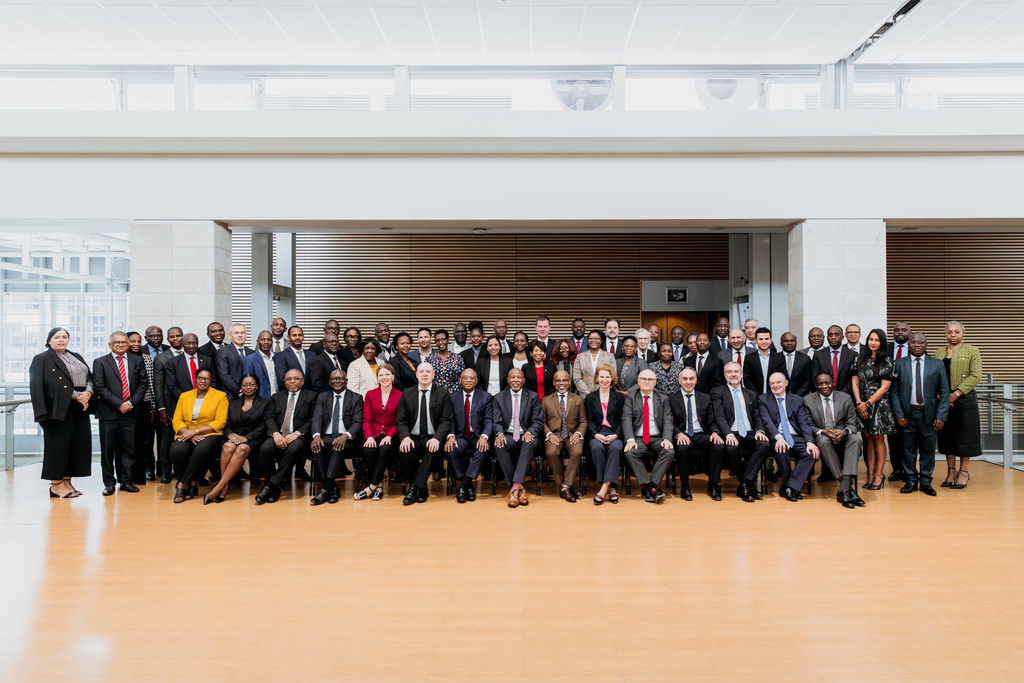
{"x": 513, "y": 499}
{"x": 523, "y": 500}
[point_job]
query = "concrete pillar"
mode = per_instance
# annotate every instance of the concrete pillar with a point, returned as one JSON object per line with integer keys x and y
{"x": 769, "y": 281}
{"x": 181, "y": 275}
{"x": 262, "y": 296}
{"x": 836, "y": 276}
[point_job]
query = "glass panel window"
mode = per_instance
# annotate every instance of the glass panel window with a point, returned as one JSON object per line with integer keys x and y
{"x": 57, "y": 93}
{"x": 223, "y": 97}
{"x": 510, "y": 94}
{"x": 960, "y": 92}
{"x": 868, "y": 95}
{"x": 150, "y": 96}
{"x": 348, "y": 94}
{"x": 794, "y": 95}
{"x": 666, "y": 94}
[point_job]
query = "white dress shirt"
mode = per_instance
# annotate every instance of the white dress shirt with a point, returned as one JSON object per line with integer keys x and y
{"x": 268, "y": 363}
{"x": 415, "y": 431}
{"x": 900, "y": 350}
{"x": 341, "y": 418}
{"x": 652, "y": 423}
{"x": 692, "y": 404}
{"x": 743, "y": 408}
{"x": 290, "y": 418}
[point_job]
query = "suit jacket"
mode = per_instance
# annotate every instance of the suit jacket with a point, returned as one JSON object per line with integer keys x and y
{"x": 583, "y": 370}
{"x": 254, "y": 365}
{"x": 703, "y": 411}
{"x": 440, "y": 409}
{"x": 891, "y": 346}
{"x": 768, "y": 406}
{"x": 719, "y": 344}
{"x": 531, "y": 414}
{"x": 210, "y": 351}
{"x": 416, "y": 357}
{"x": 628, "y": 375}
{"x": 212, "y": 412}
{"x": 651, "y": 354}
{"x": 934, "y": 385}
{"x": 712, "y": 374}
{"x": 230, "y": 369}
{"x": 320, "y": 372}
{"x": 575, "y": 414}
{"x": 302, "y": 418}
{"x": 822, "y": 363}
{"x": 800, "y": 383}
{"x": 361, "y": 377}
{"x": 178, "y": 378}
{"x": 469, "y": 360}
{"x": 286, "y": 360}
{"x": 844, "y": 412}
{"x": 379, "y": 418}
{"x": 753, "y": 377}
{"x": 725, "y": 410}
{"x": 595, "y": 415}
{"x": 530, "y": 377}
{"x": 160, "y": 397}
{"x": 481, "y": 414}
{"x": 106, "y": 380}
{"x": 633, "y": 415}
{"x": 618, "y": 347}
{"x": 251, "y": 424}
{"x": 729, "y": 356}
{"x": 809, "y": 352}
{"x": 351, "y": 415}
{"x": 50, "y": 387}
{"x": 483, "y": 371}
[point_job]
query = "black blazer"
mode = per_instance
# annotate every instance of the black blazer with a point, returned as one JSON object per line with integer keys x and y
{"x": 210, "y": 351}
{"x": 483, "y": 372}
{"x": 178, "y": 379}
{"x": 703, "y": 412}
{"x": 251, "y": 424}
{"x": 229, "y": 370}
{"x": 320, "y": 371}
{"x": 440, "y": 411}
{"x": 50, "y": 386}
{"x": 344, "y": 353}
{"x": 301, "y": 419}
{"x": 405, "y": 376}
{"x": 107, "y": 381}
{"x": 651, "y": 354}
{"x": 160, "y": 379}
{"x": 351, "y": 414}
{"x": 595, "y": 416}
{"x": 753, "y": 378}
{"x": 822, "y": 363}
{"x": 531, "y": 415}
{"x": 712, "y": 374}
{"x": 286, "y": 360}
{"x": 725, "y": 412}
{"x": 467, "y": 356}
{"x": 800, "y": 383}
{"x": 530, "y": 375}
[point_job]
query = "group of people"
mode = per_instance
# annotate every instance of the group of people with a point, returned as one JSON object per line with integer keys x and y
{"x": 633, "y": 403}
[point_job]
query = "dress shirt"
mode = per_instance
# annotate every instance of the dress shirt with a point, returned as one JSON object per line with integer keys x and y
{"x": 546, "y": 342}
{"x": 126, "y": 377}
{"x": 341, "y": 418}
{"x": 750, "y": 345}
{"x": 175, "y": 352}
{"x": 825, "y": 404}
{"x": 513, "y": 397}
{"x": 763, "y": 358}
{"x": 459, "y": 348}
{"x": 691, "y": 403}
{"x": 301, "y": 357}
{"x": 702, "y": 358}
{"x": 580, "y": 344}
{"x": 784, "y": 415}
{"x": 679, "y": 351}
{"x": 608, "y": 344}
{"x": 651, "y": 422}
{"x": 505, "y": 345}
{"x": 279, "y": 345}
{"x": 290, "y": 419}
{"x": 856, "y": 348}
{"x": 188, "y": 366}
{"x": 462, "y": 408}
{"x": 743, "y": 408}
{"x": 239, "y": 351}
{"x": 152, "y": 351}
{"x": 916, "y": 362}
{"x": 415, "y": 431}
{"x": 723, "y": 344}
{"x": 268, "y": 362}
{"x": 559, "y": 397}
{"x": 811, "y": 350}
{"x": 900, "y": 350}
{"x": 334, "y": 360}
{"x": 790, "y": 360}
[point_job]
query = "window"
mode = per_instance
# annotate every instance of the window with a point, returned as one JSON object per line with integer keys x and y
{"x": 509, "y": 94}
{"x": 57, "y": 93}
{"x": 666, "y": 94}
{"x": 789, "y": 95}
{"x": 965, "y": 92}
{"x": 350, "y": 94}
{"x": 150, "y": 95}
{"x": 874, "y": 95}
{"x": 224, "y": 96}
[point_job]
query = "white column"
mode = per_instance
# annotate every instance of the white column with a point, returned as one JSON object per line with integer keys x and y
{"x": 836, "y": 275}
{"x": 284, "y": 278}
{"x": 262, "y": 295}
{"x": 181, "y": 275}
{"x": 184, "y": 87}
{"x": 768, "y": 282}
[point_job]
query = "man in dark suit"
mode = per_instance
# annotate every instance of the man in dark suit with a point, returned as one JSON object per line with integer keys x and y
{"x": 230, "y": 361}
{"x": 644, "y": 348}
{"x": 612, "y": 343}
{"x": 165, "y": 433}
{"x": 294, "y": 357}
{"x": 155, "y": 342}
{"x": 476, "y": 345}
{"x": 696, "y": 431}
{"x": 579, "y": 335}
{"x": 382, "y": 335}
{"x": 565, "y": 423}
{"x": 836, "y": 359}
{"x": 472, "y": 424}
{"x": 278, "y": 328}
{"x": 750, "y": 328}
{"x": 786, "y": 423}
{"x": 424, "y": 343}
{"x": 898, "y": 349}
{"x": 815, "y": 342}
{"x": 737, "y": 348}
{"x": 500, "y": 331}
{"x": 795, "y": 366}
{"x": 215, "y": 333}
{"x": 149, "y": 428}
{"x": 720, "y": 342}
{"x": 261, "y": 364}
{"x": 709, "y": 368}
{"x": 757, "y": 365}
{"x": 835, "y": 424}
{"x": 289, "y": 419}
{"x": 424, "y": 420}
{"x": 330, "y": 327}
{"x": 647, "y": 428}
{"x": 337, "y": 433}
{"x": 120, "y": 381}
{"x": 326, "y": 363}
{"x": 180, "y": 372}
{"x": 518, "y": 420}
{"x": 921, "y": 407}
{"x": 737, "y": 417}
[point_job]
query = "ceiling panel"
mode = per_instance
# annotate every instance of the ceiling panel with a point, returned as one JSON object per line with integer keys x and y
{"x": 357, "y": 28}
{"x": 406, "y": 28}
{"x": 100, "y": 24}
{"x": 305, "y": 26}
{"x": 56, "y": 28}
{"x": 17, "y": 37}
{"x": 154, "y": 26}
{"x": 962, "y": 24}
{"x": 656, "y": 27}
{"x": 555, "y": 28}
{"x": 850, "y": 32}
{"x": 456, "y": 29}
{"x": 757, "y": 26}
{"x": 706, "y": 26}
{"x": 606, "y": 27}
{"x": 204, "y": 26}
{"x": 807, "y": 23}
{"x": 1008, "y": 29}
{"x": 506, "y": 28}
{"x": 255, "y": 27}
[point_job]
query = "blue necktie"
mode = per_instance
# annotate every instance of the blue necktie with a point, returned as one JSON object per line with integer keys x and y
{"x": 741, "y": 427}
{"x": 785, "y": 424}
{"x": 689, "y": 415}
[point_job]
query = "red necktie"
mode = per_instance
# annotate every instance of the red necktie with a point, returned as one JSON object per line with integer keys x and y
{"x": 899, "y": 352}
{"x": 466, "y": 432}
{"x": 738, "y": 359}
{"x": 335, "y": 361}
{"x": 613, "y": 348}
{"x": 192, "y": 366}
{"x": 835, "y": 366}
{"x": 125, "y": 393}
{"x": 647, "y": 420}
{"x": 579, "y": 345}
{"x": 700, "y": 364}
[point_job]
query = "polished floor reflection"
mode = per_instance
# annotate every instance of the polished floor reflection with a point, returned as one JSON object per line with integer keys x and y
{"x": 134, "y": 588}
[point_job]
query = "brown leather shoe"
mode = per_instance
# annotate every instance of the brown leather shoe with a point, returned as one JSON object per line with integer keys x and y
{"x": 523, "y": 500}
{"x": 513, "y": 499}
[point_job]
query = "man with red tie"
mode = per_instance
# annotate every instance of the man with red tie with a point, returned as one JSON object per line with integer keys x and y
{"x": 120, "y": 381}
{"x": 472, "y": 424}
{"x": 898, "y": 348}
{"x": 579, "y": 335}
{"x": 737, "y": 348}
{"x": 647, "y": 425}
{"x": 500, "y": 330}
{"x": 835, "y": 359}
{"x": 612, "y": 343}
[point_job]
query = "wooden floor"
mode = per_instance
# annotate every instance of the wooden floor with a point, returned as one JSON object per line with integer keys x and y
{"x": 134, "y": 588}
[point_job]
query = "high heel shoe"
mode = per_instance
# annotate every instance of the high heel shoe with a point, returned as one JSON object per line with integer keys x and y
{"x": 180, "y": 495}
{"x": 378, "y": 493}
{"x": 193, "y": 491}
{"x": 207, "y": 500}
{"x": 949, "y": 481}
{"x": 963, "y": 485}
{"x": 74, "y": 494}
{"x": 364, "y": 494}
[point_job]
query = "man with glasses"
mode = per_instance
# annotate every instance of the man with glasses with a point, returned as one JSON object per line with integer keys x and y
{"x": 647, "y": 425}
{"x": 330, "y": 327}
{"x": 921, "y": 407}
{"x": 565, "y": 421}
{"x": 737, "y": 416}
{"x": 120, "y": 382}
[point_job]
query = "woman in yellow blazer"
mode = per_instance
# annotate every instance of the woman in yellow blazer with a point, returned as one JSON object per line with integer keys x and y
{"x": 199, "y": 422}
{"x": 961, "y": 435}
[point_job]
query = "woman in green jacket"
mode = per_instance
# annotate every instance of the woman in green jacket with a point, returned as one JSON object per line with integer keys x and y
{"x": 961, "y": 436}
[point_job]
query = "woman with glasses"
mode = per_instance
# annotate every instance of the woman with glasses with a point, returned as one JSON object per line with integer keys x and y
{"x": 244, "y": 430}
{"x": 961, "y": 436}
{"x": 199, "y": 421}
{"x": 585, "y": 368}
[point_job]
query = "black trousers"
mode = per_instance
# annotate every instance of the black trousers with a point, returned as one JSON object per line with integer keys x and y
{"x": 463, "y": 448}
{"x": 418, "y": 463}
{"x": 514, "y": 458}
{"x": 296, "y": 451}
{"x": 749, "y": 452}
{"x": 117, "y": 448}
{"x": 700, "y": 446}
{"x": 331, "y": 463}
{"x": 918, "y": 438}
{"x": 794, "y": 476}
{"x": 67, "y": 445}
{"x": 378, "y": 459}
{"x": 145, "y": 436}
{"x": 164, "y": 439}
{"x": 897, "y": 450}
{"x": 191, "y": 460}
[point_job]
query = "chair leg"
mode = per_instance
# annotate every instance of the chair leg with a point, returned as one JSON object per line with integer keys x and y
{"x": 583, "y": 472}
{"x": 494, "y": 475}
{"x": 764, "y": 478}
{"x": 538, "y": 470}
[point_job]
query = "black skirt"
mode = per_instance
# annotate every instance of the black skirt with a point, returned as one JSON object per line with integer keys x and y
{"x": 67, "y": 445}
{"x": 961, "y": 435}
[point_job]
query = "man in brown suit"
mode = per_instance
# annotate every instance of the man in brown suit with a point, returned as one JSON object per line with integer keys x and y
{"x": 565, "y": 422}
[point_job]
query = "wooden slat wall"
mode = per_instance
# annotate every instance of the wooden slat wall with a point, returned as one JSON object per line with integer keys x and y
{"x": 410, "y": 281}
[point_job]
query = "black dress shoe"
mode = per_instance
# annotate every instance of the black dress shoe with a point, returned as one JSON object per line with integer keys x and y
{"x": 265, "y": 494}
{"x": 898, "y": 475}
{"x": 575, "y": 492}
{"x": 749, "y": 493}
{"x": 150, "y": 475}
{"x": 659, "y": 495}
{"x": 422, "y": 495}
{"x": 908, "y": 487}
{"x": 437, "y": 476}
{"x": 684, "y": 493}
{"x": 471, "y": 493}
{"x": 927, "y": 488}
{"x": 129, "y": 487}
{"x": 165, "y": 479}
{"x": 715, "y": 491}
{"x": 647, "y": 493}
{"x": 410, "y": 495}
{"x": 856, "y": 500}
{"x": 320, "y": 498}
{"x": 109, "y": 490}
{"x": 789, "y": 494}
{"x": 567, "y": 496}
{"x": 843, "y": 497}
{"x": 461, "y": 496}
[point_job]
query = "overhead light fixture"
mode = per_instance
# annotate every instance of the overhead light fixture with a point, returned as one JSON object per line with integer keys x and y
{"x": 478, "y": 231}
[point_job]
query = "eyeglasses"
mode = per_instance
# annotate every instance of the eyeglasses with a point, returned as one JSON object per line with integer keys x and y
{"x": 648, "y": 379}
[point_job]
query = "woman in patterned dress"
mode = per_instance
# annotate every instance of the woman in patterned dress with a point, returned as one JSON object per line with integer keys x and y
{"x": 873, "y": 373}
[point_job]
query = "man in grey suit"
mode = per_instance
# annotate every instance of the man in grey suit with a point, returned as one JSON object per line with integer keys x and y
{"x": 425, "y": 342}
{"x": 835, "y": 426}
{"x": 815, "y": 340}
{"x": 737, "y": 348}
{"x": 647, "y": 426}
{"x": 165, "y": 432}
{"x": 230, "y": 359}
{"x": 921, "y": 407}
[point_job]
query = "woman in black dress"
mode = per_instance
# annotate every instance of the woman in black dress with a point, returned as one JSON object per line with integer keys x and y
{"x": 61, "y": 385}
{"x": 604, "y": 432}
{"x": 872, "y": 375}
{"x": 353, "y": 347}
{"x": 243, "y": 432}
{"x": 405, "y": 368}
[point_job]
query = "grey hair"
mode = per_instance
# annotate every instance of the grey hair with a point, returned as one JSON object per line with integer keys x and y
{"x": 115, "y": 334}
{"x": 750, "y": 320}
{"x": 956, "y": 322}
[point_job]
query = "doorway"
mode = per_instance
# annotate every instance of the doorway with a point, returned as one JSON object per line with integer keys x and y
{"x": 694, "y": 321}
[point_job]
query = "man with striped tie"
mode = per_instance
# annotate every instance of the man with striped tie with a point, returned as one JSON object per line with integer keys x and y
{"x": 785, "y": 420}
{"x": 120, "y": 381}
{"x": 746, "y": 445}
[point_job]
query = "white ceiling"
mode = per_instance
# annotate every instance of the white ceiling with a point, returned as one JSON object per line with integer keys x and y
{"x": 961, "y": 31}
{"x": 438, "y": 32}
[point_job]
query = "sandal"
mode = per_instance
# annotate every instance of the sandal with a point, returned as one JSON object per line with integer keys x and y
{"x": 958, "y": 485}
{"x": 613, "y": 497}
{"x": 598, "y": 499}
{"x": 378, "y": 493}
{"x": 180, "y": 495}
{"x": 74, "y": 494}
{"x": 363, "y": 495}
{"x": 951, "y": 475}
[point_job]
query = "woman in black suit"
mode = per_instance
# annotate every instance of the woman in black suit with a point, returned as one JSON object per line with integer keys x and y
{"x": 353, "y": 347}
{"x": 539, "y": 374}
{"x": 492, "y": 367}
{"x": 244, "y": 430}
{"x": 604, "y": 431}
{"x": 60, "y": 386}
{"x": 405, "y": 367}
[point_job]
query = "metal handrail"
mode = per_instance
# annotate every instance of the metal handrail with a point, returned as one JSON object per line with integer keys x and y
{"x": 13, "y": 404}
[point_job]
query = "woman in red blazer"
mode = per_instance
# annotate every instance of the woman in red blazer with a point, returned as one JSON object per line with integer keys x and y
{"x": 380, "y": 411}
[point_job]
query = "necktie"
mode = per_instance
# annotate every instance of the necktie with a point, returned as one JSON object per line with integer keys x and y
{"x": 335, "y": 361}
{"x": 504, "y": 346}
{"x": 516, "y": 429}
{"x": 336, "y": 416}
{"x": 899, "y": 352}
{"x": 565, "y": 428}
{"x": 302, "y": 360}
{"x": 288, "y": 413}
{"x": 789, "y": 364}
{"x": 830, "y": 420}
{"x": 785, "y": 425}
{"x": 700, "y": 364}
{"x": 647, "y": 420}
{"x": 466, "y": 432}
{"x": 241, "y": 354}
{"x": 192, "y": 367}
{"x": 579, "y": 345}
{"x": 689, "y": 414}
{"x": 918, "y": 385}
{"x": 612, "y": 350}
{"x": 125, "y": 393}
{"x": 277, "y": 346}
{"x": 741, "y": 425}
{"x": 835, "y": 366}
{"x": 675, "y": 353}
{"x": 739, "y": 357}
{"x": 423, "y": 413}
